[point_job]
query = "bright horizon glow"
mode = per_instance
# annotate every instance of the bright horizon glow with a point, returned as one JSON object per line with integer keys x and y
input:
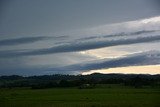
{"x": 150, "y": 69}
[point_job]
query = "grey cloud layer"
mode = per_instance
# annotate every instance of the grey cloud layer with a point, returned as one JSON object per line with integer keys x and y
{"x": 27, "y": 40}
{"x": 14, "y": 52}
{"x": 119, "y": 34}
{"x": 24, "y": 40}
{"x": 138, "y": 59}
{"x": 81, "y": 46}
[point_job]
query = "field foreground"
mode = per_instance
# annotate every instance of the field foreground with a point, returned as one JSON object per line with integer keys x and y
{"x": 73, "y": 97}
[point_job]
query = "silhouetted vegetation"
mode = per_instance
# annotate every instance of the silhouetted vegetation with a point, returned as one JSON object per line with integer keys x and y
{"x": 80, "y": 81}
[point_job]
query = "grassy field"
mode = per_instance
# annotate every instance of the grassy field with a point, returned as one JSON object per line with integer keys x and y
{"x": 73, "y": 97}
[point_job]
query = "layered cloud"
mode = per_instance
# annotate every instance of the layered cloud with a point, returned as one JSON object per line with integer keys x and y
{"x": 24, "y": 40}
{"x": 63, "y": 54}
{"x": 122, "y": 34}
{"x": 27, "y": 40}
{"x": 82, "y": 46}
{"x": 137, "y": 59}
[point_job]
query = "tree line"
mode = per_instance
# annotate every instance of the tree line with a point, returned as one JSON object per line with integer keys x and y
{"x": 80, "y": 81}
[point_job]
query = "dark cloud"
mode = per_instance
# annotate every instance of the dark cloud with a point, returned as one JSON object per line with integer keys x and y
{"x": 81, "y": 46}
{"x": 30, "y": 71}
{"x": 27, "y": 40}
{"x": 119, "y": 34}
{"x": 25, "y": 71}
{"x": 24, "y": 40}
{"x": 138, "y": 59}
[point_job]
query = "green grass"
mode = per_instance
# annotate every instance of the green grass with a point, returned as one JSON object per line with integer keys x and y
{"x": 73, "y": 97}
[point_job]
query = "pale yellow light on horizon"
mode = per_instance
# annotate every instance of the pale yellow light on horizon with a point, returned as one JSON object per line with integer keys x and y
{"x": 150, "y": 69}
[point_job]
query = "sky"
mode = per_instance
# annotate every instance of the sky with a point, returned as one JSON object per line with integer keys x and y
{"x": 43, "y": 37}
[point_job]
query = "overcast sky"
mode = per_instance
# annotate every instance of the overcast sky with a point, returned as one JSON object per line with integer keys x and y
{"x": 73, "y": 36}
{"x": 28, "y": 17}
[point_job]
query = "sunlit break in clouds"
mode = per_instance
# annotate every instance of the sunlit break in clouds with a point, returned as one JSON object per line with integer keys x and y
{"x": 44, "y": 37}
